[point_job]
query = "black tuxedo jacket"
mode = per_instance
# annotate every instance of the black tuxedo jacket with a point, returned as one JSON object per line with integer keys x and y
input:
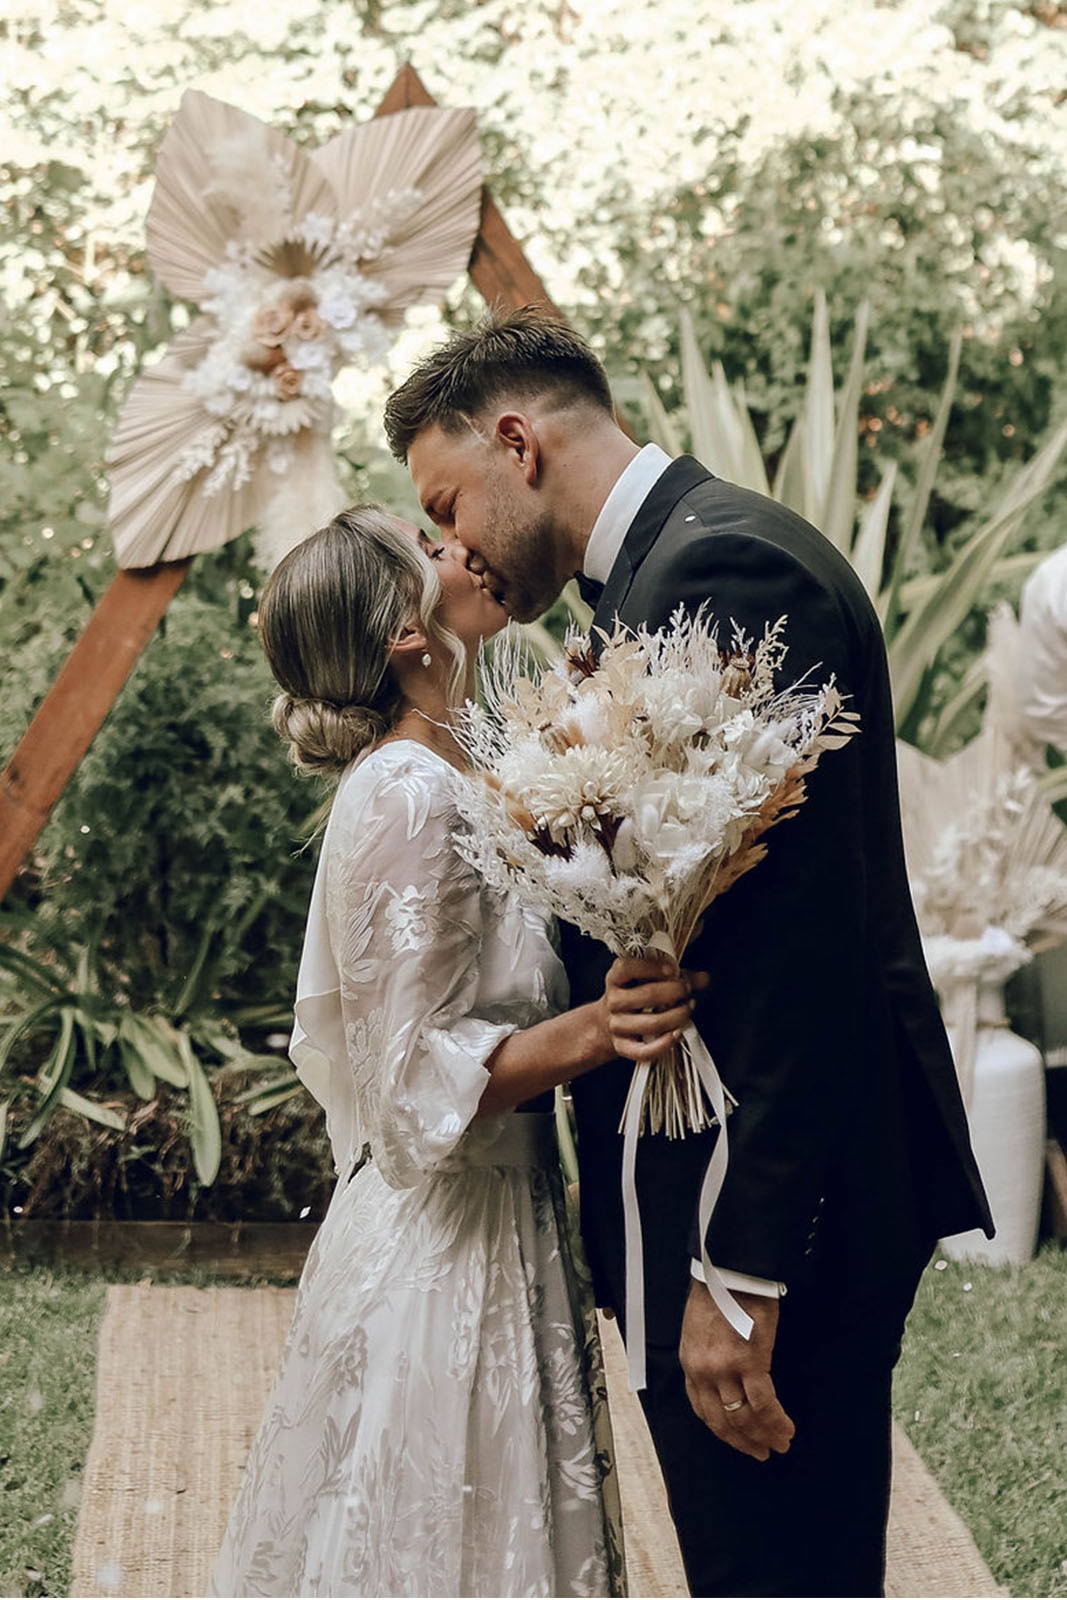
{"x": 820, "y": 1014}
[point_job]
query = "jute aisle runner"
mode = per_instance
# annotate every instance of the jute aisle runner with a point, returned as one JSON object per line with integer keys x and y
{"x": 182, "y": 1378}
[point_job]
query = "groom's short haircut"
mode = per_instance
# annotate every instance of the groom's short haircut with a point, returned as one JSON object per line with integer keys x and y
{"x": 525, "y": 355}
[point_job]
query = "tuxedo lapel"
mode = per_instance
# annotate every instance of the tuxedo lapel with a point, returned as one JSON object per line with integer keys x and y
{"x": 680, "y": 477}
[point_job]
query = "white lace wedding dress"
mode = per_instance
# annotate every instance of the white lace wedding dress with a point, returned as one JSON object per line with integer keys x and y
{"x": 438, "y": 1425}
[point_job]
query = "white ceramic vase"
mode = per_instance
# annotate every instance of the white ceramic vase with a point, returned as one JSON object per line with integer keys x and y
{"x": 1007, "y": 1117}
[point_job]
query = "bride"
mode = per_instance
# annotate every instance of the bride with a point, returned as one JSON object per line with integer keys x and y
{"x": 433, "y": 1427}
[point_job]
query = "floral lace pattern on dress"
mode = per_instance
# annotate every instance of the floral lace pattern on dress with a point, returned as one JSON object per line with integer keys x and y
{"x": 437, "y": 1424}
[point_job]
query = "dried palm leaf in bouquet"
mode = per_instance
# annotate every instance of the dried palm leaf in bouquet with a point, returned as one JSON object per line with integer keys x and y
{"x": 624, "y": 791}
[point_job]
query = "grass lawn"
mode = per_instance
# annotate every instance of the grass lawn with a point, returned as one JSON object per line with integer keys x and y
{"x": 981, "y": 1390}
{"x": 982, "y": 1393}
{"x": 47, "y": 1376}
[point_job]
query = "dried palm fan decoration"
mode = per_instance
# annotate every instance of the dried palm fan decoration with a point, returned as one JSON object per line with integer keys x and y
{"x": 300, "y": 263}
{"x": 987, "y": 855}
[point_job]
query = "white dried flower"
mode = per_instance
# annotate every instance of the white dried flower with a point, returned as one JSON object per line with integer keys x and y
{"x": 991, "y": 958}
{"x": 245, "y": 301}
{"x": 675, "y": 711}
{"x": 338, "y": 307}
{"x": 585, "y": 873}
{"x": 622, "y": 788}
{"x": 310, "y": 354}
{"x": 316, "y": 231}
{"x": 584, "y": 784}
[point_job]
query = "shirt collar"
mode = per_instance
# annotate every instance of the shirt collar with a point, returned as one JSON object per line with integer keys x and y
{"x": 628, "y": 493}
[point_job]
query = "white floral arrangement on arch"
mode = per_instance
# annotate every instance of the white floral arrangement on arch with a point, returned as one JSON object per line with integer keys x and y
{"x": 300, "y": 263}
{"x": 268, "y": 373}
{"x": 626, "y": 791}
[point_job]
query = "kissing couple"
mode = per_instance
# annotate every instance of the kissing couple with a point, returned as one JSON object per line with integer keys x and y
{"x": 437, "y": 1424}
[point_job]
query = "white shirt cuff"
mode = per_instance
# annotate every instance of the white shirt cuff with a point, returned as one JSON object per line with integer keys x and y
{"x": 741, "y": 1281}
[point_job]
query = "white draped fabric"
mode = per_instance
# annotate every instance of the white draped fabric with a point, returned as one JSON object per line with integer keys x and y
{"x": 438, "y": 1423}
{"x": 1042, "y": 670}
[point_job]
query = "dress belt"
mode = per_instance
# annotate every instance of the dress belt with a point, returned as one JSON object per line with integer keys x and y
{"x": 522, "y": 1139}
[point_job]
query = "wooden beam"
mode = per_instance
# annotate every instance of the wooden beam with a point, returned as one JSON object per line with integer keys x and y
{"x": 72, "y": 712}
{"x": 499, "y": 270}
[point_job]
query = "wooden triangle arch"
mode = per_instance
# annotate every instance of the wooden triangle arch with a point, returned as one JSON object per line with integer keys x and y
{"x": 129, "y": 611}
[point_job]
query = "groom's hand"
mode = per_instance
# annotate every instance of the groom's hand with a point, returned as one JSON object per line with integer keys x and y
{"x": 721, "y": 1368}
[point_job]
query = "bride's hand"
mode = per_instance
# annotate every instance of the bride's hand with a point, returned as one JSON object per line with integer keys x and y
{"x": 647, "y": 1004}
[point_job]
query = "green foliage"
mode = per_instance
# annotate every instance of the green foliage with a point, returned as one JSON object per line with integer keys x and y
{"x": 50, "y": 495}
{"x": 274, "y": 1166}
{"x": 982, "y": 1392}
{"x": 935, "y": 226}
{"x": 817, "y": 476}
{"x": 164, "y": 904}
{"x": 48, "y": 1328}
{"x": 178, "y": 830}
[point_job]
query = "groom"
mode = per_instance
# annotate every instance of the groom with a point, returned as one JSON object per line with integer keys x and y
{"x": 849, "y": 1152}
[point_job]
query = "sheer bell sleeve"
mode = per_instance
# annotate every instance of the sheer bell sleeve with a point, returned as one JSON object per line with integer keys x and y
{"x": 405, "y": 918}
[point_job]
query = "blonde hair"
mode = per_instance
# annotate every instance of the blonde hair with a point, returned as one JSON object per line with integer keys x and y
{"x": 327, "y": 617}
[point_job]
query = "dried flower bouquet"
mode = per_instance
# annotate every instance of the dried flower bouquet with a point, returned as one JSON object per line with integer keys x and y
{"x": 625, "y": 791}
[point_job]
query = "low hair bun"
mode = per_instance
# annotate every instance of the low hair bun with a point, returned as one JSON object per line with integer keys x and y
{"x": 329, "y": 616}
{"x": 323, "y": 737}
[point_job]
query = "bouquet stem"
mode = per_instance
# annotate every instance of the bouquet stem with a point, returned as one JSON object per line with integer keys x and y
{"x": 672, "y": 1096}
{"x": 673, "y": 1100}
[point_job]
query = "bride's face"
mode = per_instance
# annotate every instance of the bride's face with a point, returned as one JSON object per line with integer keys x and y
{"x": 466, "y": 605}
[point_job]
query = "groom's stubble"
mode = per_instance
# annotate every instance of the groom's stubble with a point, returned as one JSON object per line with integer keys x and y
{"x": 528, "y": 531}
{"x": 522, "y": 547}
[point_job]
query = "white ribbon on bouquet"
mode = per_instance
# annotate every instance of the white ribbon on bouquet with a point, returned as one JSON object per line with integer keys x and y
{"x": 696, "y": 1050}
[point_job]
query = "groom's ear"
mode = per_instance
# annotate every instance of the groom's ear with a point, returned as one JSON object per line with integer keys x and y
{"x": 517, "y": 434}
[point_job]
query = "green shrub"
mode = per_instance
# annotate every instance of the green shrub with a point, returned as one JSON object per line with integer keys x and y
{"x": 162, "y": 912}
{"x": 273, "y": 1167}
{"x": 183, "y": 820}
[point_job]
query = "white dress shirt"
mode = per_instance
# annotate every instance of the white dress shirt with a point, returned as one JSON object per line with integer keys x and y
{"x": 1042, "y": 670}
{"x": 628, "y": 494}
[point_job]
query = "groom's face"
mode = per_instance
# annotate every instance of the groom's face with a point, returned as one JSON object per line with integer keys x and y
{"x": 475, "y": 491}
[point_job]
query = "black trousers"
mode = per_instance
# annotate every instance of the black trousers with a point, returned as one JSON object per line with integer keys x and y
{"x": 811, "y": 1522}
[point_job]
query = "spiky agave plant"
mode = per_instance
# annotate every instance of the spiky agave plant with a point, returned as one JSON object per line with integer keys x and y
{"x": 817, "y": 477}
{"x": 81, "y": 1041}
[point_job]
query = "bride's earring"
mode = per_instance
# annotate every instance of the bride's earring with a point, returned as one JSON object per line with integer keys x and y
{"x": 427, "y": 659}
